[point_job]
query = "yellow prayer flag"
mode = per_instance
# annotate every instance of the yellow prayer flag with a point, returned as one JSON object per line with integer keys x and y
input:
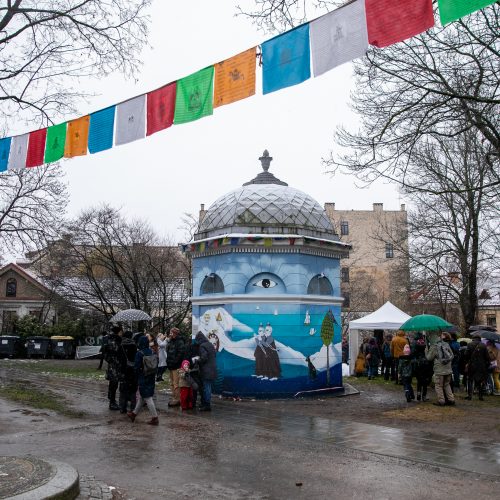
{"x": 77, "y": 135}
{"x": 268, "y": 242}
{"x": 235, "y": 78}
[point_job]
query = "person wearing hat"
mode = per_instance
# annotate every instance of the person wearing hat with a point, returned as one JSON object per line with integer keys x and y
{"x": 477, "y": 365}
{"x": 441, "y": 354}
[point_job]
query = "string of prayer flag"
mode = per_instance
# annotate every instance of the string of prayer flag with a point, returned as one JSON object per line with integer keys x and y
{"x": 194, "y": 96}
{"x": 235, "y": 78}
{"x": 54, "y": 146}
{"x": 389, "y": 22}
{"x": 102, "y": 124}
{"x": 160, "y": 110}
{"x": 286, "y": 60}
{"x": 36, "y": 148}
{"x": 338, "y": 37}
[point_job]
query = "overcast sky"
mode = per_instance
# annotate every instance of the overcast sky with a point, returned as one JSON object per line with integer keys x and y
{"x": 165, "y": 175}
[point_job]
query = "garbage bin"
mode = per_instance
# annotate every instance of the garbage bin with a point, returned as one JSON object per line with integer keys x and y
{"x": 11, "y": 346}
{"x": 63, "y": 346}
{"x": 38, "y": 346}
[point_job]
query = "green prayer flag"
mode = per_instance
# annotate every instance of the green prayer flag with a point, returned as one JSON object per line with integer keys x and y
{"x": 55, "y": 142}
{"x": 194, "y": 96}
{"x": 451, "y": 10}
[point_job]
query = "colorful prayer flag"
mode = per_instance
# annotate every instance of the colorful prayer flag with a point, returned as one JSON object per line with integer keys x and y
{"x": 339, "y": 37}
{"x": 55, "y": 141}
{"x": 161, "y": 106}
{"x": 286, "y": 59}
{"x": 18, "y": 151}
{"x": 36, "y": 148}
{"x": 77, "y": 135}
{"x": 451, "y": 10}
{"x": 268, "y": 242}
{"x": 234, "y": 241}
{"x": 291, "y": 241}
{"x": 235, "y": 78}
{"x": 4, "y": 152}
{"x": 131, "y": 120}
{"x": 102, "y": 124}
{"x": 225, "y": 241}
{"x": 390, "y": 21}
{"x": 194, "y": 96}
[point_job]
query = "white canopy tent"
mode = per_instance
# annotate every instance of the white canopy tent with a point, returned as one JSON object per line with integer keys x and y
{"x": 387, "y": 317}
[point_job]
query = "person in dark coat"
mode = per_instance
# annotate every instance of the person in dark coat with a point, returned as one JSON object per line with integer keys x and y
{"x": 455, "y": 348}
{"x": 406, "y": 372}
{"x": 372, "y": 358}
{"x": 208, "y": 369}
{"x": 478, "y": 364}
{"x": 176, "y": 352}
{"x": 422, "y": 368}
{"x": 128, "y": 387}
{"x": 193, "y": 355}
{"x": 146, "y": 383}
{"x": 115, "y": 358}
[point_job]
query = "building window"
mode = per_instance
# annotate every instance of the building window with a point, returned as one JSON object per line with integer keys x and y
{"x": 11, "y": 288}
{"x": 320, "y": 285}
{"x": 344, "y": 227}
{"x": 344, "y": 275}
{"x": 8, "y": 322}
{"x": 347, "y": 300}
{"x": 389, "y": 251}
{"x": 491, "y": 320}
{"x": 212, "y": 284}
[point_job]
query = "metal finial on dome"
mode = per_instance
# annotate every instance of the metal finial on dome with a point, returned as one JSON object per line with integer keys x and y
{"x": 265, "y": 160}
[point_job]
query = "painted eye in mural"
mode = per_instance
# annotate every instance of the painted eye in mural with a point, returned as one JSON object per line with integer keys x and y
{"x": 265, "y": 283}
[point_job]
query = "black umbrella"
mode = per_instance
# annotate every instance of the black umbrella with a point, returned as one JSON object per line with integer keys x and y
{"x": 486, "y": 334}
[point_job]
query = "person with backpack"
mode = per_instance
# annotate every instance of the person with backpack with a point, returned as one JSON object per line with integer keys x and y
{"x": 441, "y": 354}
{"x": 146, "y": 364}
{"x": 114, "y": 356}
{"x": 477, "y": 367}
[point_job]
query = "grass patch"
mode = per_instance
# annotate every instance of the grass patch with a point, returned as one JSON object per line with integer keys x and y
{"x": 50, "y": 367}
{"x": 43, "y": 399}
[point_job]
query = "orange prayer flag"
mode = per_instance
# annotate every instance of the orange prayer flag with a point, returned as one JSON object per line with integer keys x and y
{"x": 77, "y": 136}
{"x": 235, "y": 78}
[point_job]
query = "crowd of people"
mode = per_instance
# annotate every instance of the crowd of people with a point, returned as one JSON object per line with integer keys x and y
{"x": 453, "y": 364}
{"x": 135, "y": 363}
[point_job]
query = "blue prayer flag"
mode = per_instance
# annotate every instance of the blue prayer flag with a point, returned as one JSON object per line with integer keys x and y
{"x": 101, "y": 130}
{"x": 286, "y": 59}
{"x": 4, "y": 153}
{"x": 234, "y": 241}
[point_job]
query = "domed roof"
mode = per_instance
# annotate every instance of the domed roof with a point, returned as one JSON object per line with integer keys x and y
{"x": 266, "y": 205}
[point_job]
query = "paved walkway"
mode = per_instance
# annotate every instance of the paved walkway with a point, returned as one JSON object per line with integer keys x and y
{"x": 458, "y": 453}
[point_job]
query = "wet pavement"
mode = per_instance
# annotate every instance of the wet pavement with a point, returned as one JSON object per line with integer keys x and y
{"x": 249, "y": 449}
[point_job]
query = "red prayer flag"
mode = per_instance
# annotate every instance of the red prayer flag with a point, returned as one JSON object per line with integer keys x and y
{"x": 161, "y": 107}
{"x": 36, "y": 148}
{"x": 391, "y": 21}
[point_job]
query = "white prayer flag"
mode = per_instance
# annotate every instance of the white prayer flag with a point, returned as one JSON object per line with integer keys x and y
{"x": 131, "y": 120}
{"x": 18, "y": 151}
{"x": 338, "y": 37}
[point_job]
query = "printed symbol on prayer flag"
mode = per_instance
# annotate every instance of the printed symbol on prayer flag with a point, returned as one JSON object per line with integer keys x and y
{"x": 131, "y": 119}
{"x": 286, "y": 56}
{"x": 339, "y": 34}
{"x": 55, "y": 144}
{"x": 236, "y": 75}
{"x": 195, "y": 100}
{"x": 77, "y": 135}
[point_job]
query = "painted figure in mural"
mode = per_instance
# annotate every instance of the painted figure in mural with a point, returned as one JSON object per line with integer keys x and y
{"x": 267, "y": 361}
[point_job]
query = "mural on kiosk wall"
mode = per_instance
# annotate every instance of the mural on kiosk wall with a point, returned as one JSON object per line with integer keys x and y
{"x": 268, "y": 346}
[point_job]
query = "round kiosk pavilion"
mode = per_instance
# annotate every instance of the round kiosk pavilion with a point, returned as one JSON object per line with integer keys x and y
{"x": 266, "y": 290}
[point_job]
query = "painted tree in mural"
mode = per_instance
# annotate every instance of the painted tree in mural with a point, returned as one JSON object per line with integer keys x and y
{"x": 327, "y": 331}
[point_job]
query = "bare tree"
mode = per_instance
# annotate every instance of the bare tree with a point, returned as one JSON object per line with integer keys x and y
{"x": 107, "y": 263}
{"x": 32, "y": 207}
{"x": 42, "y": 42}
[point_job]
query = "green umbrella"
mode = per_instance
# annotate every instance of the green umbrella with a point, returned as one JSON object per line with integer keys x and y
{"x": 427, "y": 322}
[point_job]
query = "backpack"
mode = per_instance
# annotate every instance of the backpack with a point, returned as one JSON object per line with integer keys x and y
{"x": 387, "y": 350}
{"x": 445, "y": 354}
{"x": 149, "y": 364}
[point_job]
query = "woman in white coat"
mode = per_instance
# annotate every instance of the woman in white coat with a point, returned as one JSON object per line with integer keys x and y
{"x": 162, "y": 341}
